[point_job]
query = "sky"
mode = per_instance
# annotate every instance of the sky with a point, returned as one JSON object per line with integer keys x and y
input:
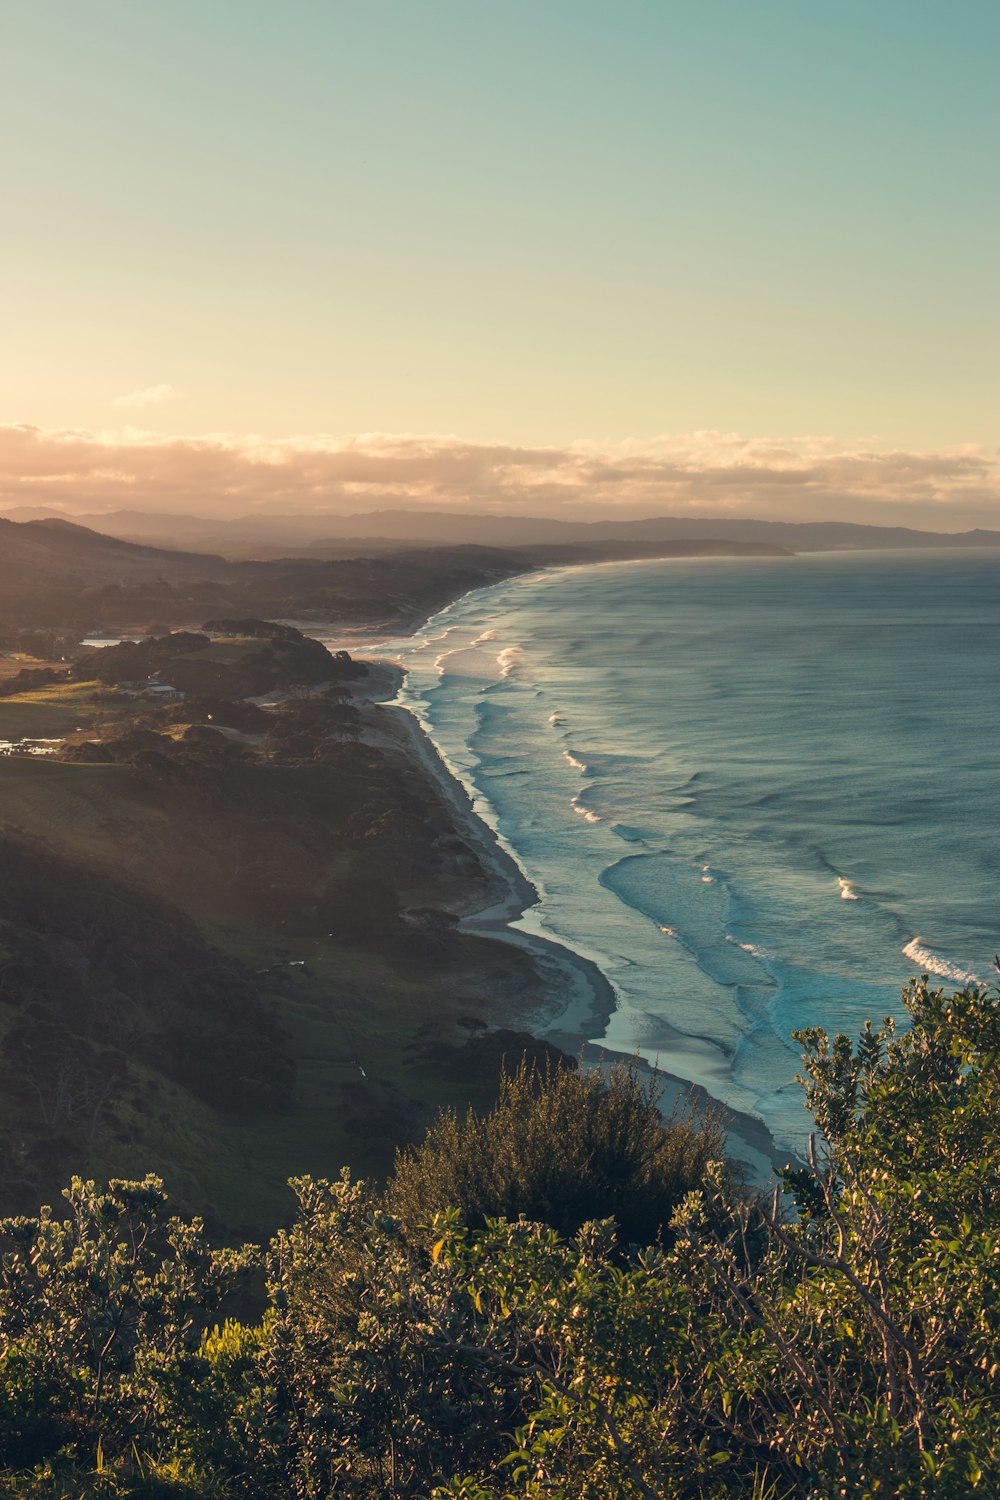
{"x": 546, "y": 256}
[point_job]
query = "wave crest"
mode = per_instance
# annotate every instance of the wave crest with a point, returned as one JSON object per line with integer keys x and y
{"x": 584, "y": 812}
{"x": 936, "y": 963}
{"x": 508, "y": 661}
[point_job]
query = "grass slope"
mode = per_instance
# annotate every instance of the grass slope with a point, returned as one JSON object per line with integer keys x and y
{"x": 246, "y": 850}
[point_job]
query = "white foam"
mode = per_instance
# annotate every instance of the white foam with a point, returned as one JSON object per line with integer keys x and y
{"x": 487, "y": 635}
{"x": 439, "y": 661}
{"x": 667, "y": 931}
{"x": 579, "y": 765}
{"x": 584, "y": 812}
{"x": 556, "y": 719}
{"x": 435, "y": 640}
{"x": 936, "y": 963}
{"x": 508, "y": 661}
{"x": 847, "y": 892}
{"x": 751, "y": 948}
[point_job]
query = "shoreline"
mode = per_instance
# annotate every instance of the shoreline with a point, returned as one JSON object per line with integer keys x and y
{"x": 374, "y": 638}
{"x": 584, "y": 998}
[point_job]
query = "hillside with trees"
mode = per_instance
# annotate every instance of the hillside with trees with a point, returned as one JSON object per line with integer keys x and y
{"x": 229, "y": 937}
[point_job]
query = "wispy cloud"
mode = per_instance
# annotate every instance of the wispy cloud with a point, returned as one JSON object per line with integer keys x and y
{"x": 149, "y": 395}
{"x": 702, "y": 473}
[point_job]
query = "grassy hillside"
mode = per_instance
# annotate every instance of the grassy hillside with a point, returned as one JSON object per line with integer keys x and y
{"x": 187, "y": 908}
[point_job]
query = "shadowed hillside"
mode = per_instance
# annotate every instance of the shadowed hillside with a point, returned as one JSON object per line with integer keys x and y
{"x": 61, "y": 552}
{"x": 229, "y": 946}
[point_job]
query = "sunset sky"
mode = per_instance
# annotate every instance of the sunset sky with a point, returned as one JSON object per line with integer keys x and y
{"x": 557, "y": 255}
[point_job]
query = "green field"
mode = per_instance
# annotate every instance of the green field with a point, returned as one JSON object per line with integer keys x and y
{"x": 233, "y": 648}
{"x": 50, "y": 712}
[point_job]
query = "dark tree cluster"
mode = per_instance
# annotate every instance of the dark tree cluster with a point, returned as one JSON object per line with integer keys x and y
{"x": 30, "y": 679}
{"x": 285, "y": 660}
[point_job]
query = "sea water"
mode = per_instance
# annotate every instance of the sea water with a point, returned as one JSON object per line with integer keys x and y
{"x": 760, "y": 793}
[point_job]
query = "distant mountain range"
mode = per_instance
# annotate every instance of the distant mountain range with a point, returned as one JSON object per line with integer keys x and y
{"x": 319, "y": 534}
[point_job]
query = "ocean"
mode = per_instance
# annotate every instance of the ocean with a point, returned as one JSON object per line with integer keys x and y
{"x": 760, "y": 794}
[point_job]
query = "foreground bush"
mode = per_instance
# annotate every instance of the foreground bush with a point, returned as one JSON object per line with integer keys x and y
{"x": 561, "y": 1147}
{"x": 101, "y": 1314}
{"x": 838, "y": 1341}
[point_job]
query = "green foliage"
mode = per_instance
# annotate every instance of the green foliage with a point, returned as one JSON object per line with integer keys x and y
{"x": 839, "y": 1340}
{"x": 561, "y": 1146}
{"x": 862, "y": 1344}
{"x": 100, "y": 1313}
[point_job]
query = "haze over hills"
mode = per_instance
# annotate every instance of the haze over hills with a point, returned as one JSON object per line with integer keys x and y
{"x": 259, "y": 535}
{"x": 54, "y": 573}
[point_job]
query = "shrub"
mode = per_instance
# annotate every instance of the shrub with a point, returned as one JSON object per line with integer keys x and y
{"x": 98, "y": 1311}
{"x": 561, "y": 1147}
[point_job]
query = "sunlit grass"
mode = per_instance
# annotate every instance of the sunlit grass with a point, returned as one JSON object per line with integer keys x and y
{"x": 230, "y": 650}
{"x": 46, "y": 712}
{"x": 60, "y": 693}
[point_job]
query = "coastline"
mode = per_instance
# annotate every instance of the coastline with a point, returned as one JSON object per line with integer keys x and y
{"x": 583, "y": 999}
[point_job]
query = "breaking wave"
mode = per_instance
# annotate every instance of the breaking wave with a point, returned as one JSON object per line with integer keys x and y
{"x": 585, "y": 812}
{"x": 936, "y": 963}
{"x": 508, "y": 661}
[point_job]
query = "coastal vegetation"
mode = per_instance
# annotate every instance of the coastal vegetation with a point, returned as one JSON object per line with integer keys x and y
{"x": 562, "y": 1146}
{"x": 229, "y": 940}
{"x": 837, "y": 1338}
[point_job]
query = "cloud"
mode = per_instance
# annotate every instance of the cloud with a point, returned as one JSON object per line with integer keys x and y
{"x": 149, "y": 395}
{"x": 695, "y": 474}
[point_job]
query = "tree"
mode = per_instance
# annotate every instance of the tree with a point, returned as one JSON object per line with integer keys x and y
{"x": 861, "y": 1340}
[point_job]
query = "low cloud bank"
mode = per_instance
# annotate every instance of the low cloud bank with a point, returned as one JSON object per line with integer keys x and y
{"x": 705, "y": 473}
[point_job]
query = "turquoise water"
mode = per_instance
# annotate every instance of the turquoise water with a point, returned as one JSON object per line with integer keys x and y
{"x": 761, "y": 794}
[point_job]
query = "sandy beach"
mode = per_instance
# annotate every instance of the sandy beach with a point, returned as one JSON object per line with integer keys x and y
{"x": 579, "y": 998}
